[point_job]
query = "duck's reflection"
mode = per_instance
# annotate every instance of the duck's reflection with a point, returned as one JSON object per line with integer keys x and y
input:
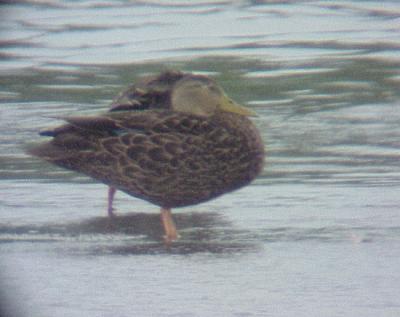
{"x": 149, "y": 224}
{"x": 138, "y": 233}
{"x": 199, "y": 232}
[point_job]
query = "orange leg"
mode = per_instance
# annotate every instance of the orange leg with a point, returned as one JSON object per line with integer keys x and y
{"x": 169, "y": 225}
{"x": 111, "y": 193}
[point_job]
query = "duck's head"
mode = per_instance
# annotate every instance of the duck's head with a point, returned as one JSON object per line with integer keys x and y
{"x": 202, "y": 96}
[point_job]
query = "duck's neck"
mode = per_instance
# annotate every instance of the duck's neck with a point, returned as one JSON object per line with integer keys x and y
{"x": 235, "y": 122}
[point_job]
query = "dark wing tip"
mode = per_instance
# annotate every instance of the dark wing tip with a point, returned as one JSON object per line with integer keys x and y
{"x": 128, "y": 107}
{"x": 47, "y": 132}
{"x": 53, "y": 132}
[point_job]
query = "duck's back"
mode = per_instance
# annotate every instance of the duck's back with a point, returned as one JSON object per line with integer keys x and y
{"x": 150, "y": 93}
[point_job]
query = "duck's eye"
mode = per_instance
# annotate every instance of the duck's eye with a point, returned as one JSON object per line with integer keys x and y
{"x": 195, "y": 86}
{"x": 214, "y": 89}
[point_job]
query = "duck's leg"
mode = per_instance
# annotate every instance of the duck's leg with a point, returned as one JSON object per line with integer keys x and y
{"x": 111, "y": 193}
{"x": 169, "y": 225}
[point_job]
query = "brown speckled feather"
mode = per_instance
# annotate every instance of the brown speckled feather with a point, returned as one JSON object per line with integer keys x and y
{"x": 151, "y": 93}
{"x": 168, "y": 158}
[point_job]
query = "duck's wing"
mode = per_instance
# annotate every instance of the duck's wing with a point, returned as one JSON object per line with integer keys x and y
{"x": 128, "y": 138}
{"x": 79, "y": 135}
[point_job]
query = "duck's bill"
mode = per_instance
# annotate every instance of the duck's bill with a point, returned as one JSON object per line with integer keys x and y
{"x": 228, "y": 105}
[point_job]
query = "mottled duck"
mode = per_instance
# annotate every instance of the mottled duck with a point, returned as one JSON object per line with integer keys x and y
{"x": 174, "y": 140}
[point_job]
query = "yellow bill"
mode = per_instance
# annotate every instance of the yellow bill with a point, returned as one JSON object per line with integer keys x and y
{"x": 228, "y": 105}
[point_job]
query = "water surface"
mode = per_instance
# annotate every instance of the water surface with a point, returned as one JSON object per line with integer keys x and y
{"x": 317, "y": 234}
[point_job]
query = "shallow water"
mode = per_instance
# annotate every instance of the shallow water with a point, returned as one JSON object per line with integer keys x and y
{"x": 317, "y": 234}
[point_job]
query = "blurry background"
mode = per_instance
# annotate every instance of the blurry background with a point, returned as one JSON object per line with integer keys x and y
{"x": 318, "y": 234}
